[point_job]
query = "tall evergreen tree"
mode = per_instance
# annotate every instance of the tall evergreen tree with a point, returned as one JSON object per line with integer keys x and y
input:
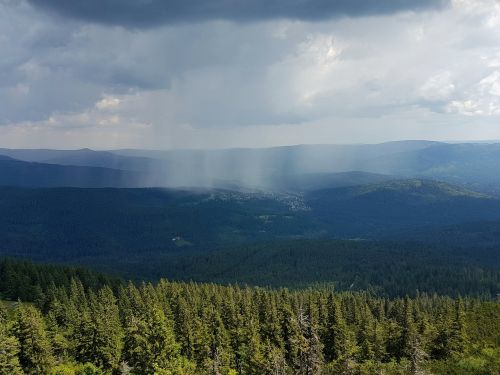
{"x": 99, "y": 334}
{"x": 312, "y": 358}
{"x": 339, "y": 341}
{"x": 35, "y": 353}
{"x": 9, "y": 348}
{"x": 457, "y": 341}
{"x": 149, "y": 341}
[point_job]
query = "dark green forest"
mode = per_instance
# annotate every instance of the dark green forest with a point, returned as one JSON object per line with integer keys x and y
{"x": 79, "y": 326}
{"x": 385, "y": 268}
{"x": 70, "y": 223}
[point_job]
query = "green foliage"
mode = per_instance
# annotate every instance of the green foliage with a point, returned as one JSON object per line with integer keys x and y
{"x": 174, "y": 328}
{"x": 35, "y": 353}
{"x": 149, "y": 336}
{"x": 9, "y": 350}
{"x": 385, "y": 268}
{"x": 28, "y": 281}
{"x": 483, "y": 362}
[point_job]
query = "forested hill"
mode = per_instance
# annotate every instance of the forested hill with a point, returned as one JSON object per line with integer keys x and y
{"x": 390, "y": 207}
{"x": 198, "y": 329}
{"x": 75, "y": 222}
{"x": 67, "y": 223}
{"x": 384, "y": 268}
{"x": 28, "y": 174}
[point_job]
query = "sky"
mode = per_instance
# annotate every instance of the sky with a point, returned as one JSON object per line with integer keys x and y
{"x": 157, "y": 74}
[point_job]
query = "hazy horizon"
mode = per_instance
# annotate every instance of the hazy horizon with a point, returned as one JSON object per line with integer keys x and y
{"x": 471, "y": 141}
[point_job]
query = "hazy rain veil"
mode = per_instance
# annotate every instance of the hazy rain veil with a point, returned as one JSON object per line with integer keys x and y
{"x": 224, "y": 90}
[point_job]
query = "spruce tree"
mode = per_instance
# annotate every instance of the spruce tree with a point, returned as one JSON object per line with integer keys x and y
{"x": 149, "y": 341}
{"x": 312, "y": 359}
{"x": 457, "y": 341}
{"x": 9, "y": 350}
{"x": 35, "y": 353}
{"x": 99, "y": 334}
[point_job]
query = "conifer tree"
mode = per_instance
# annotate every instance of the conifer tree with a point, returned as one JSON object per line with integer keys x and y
{"x": 99, "y": 334}
{"x": 35, "y": 353}
{"x": 458, "y": 335}
{"x": 149, "y": 341}
{"x": 409, "y": 330}
{"x": 218, "y": 361}
{"x": 250, "y": 351}
{"x": 9, "y": 348}
{"x": 339, "y": 342}
{"x": 292, "y": 336}
{"x": 312, "y": 358}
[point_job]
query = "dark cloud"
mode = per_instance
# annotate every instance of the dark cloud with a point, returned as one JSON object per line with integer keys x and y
{"x": 149, "y": 13}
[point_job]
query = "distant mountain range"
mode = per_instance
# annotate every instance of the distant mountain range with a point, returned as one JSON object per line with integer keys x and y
{"x": 287, "y": 169}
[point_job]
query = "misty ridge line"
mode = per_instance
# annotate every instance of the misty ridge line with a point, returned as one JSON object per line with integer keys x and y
{"x": 254, "y": 168}
{"x": 284, "y": 168}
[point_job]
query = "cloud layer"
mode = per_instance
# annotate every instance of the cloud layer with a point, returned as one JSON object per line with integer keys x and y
{"x": 141, "y": 13}
{"x": 91, "y": 81}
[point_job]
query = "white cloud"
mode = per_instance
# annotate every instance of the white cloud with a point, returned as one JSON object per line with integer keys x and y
{"x": 482, "y": 100}
{"x": 108, "y": 102}
{"x": 438, "y": 87}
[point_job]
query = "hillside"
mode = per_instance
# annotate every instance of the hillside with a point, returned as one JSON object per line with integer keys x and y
{"x": 28, "y": 174}
{"x": 471, "y": 234}
{"x": 386, "y": 268}
{"x": 152, "y": 233}
{"x": 316, "y": 181}
{"x": 67, "y": 223}
{"x": 389, "y": 207}
{"x": 83, "y": 157}
{"x": 470, "y": 164}
{"x": 64, "y": 223}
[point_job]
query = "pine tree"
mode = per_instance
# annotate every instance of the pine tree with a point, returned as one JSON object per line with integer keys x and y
{"x": 184, "y": 329}
{"x": 219, "y": 358}
{"x": 250, "y": 352}
{"x": 409, "y": 330}
{"x": 9, "y": 350}
{"x": 99, "y": 334}
{"x": 292, "y": 337}
{"x": 312, "y": 358}
{"x": 339, "y": 341}
{"x": 149, "y": 341}
{"x": 274, "y": 360}
{"x": 35, "y": 353}
{"x": 457, "y": 341}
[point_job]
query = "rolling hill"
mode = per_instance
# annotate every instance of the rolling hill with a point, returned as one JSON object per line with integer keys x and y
{"x": 28, "y": 174}
{"x": 71, "y": 223}
{"x": 388, "y": 208}
{"x": 390, "y": 268}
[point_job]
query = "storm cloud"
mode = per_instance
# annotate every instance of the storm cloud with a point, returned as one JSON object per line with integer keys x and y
{"x": 119, "y": 74}
{"x": 148, "y": 13}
